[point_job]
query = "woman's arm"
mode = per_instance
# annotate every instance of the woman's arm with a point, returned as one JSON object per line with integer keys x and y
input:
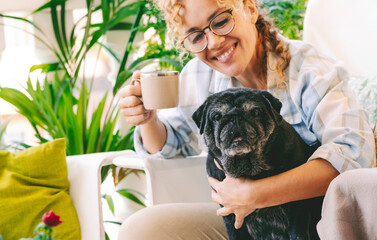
{"x": 153, "y": 131}
{"x": 242, "y": 196}
{"x": 154, "y": 135}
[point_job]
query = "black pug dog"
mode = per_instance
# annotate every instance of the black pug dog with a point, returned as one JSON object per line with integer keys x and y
{"x": 247, "y": 136}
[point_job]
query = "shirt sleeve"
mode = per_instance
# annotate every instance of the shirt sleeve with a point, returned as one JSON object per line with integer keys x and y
{"x": 332, "y": 113}
{"x": 181, "y": 141}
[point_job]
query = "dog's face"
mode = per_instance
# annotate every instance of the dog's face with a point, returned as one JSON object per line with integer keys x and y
{"x": 238, "y": 122}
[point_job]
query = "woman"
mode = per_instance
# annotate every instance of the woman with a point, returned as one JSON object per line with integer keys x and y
{"x": 236, "y": 47}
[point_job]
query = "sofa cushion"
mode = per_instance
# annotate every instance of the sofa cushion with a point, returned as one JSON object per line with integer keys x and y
{"x": 32, "y": 182}
{"x": 365, "y": 89}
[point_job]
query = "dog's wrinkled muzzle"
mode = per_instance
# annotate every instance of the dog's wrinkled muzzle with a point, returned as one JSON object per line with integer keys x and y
{"x": 236, "y": 136}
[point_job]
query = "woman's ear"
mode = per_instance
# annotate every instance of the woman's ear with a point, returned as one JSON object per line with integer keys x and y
{"x": 251, "y": 8}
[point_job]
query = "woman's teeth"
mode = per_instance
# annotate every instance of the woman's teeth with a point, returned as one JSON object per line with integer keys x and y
{"x": 226, "y": 54}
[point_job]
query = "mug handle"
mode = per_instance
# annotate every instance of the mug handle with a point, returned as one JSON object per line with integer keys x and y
{"x": 133, "y": 82}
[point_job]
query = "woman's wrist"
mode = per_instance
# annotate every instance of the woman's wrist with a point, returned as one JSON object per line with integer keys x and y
{"x": 256, "y": 196}
{"x": 153, "y": 134}
{"x": 307, "y": 181}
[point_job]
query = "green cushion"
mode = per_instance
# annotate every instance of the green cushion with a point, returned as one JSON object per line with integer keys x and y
{"x": 32, "y": 182}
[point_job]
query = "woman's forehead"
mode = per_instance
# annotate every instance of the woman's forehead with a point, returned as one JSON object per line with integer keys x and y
{"x": 196, "y": 14}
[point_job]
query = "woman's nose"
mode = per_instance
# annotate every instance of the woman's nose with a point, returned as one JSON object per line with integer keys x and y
{"x": 214, "y": 41}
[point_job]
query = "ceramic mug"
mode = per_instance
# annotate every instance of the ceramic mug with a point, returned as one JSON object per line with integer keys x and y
{"x": 159, "y": 89}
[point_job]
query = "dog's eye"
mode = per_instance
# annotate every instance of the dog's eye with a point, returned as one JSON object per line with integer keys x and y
{"x": 215, "y": 116}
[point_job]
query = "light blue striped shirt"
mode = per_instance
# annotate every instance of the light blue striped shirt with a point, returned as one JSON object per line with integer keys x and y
{"x": 317, "y": 103}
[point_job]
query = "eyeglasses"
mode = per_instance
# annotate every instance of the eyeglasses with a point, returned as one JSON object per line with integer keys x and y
{"x": 221, "y": 24}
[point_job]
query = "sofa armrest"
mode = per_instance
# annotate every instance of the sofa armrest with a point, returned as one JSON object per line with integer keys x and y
{"x": 171, "y": 180}
{"x": 84, "y": 175}
{"x": 168, "y": 181}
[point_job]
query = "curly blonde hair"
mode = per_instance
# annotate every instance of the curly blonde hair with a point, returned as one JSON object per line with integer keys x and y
{"x": 266, "y": 33}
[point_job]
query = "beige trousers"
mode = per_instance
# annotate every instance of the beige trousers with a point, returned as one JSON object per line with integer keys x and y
{"x": 179, "y": 221}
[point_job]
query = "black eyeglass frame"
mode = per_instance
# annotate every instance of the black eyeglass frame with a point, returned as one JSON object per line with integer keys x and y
{"x": 230, "y": 10}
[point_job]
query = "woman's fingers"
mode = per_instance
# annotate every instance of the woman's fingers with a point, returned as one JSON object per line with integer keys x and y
{"x": 214, "y": 183}
{"x": 131, "y": 102}
{"x": 137, "y": 119}
{"x": 223, "y": 212}
{"x": 131, "y": 106}
{"x": 129, "y": 90}
{"x": 215, "y": 197}
{"x": 239, "y": 221}
{"x": 227, "y": 197}
{"x": 218, "y": 165}
{"x": 239, "y": 212}
{"x": 136, "y": 75}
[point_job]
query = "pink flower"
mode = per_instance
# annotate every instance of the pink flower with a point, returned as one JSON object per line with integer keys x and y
{"x": 51, "y": 219}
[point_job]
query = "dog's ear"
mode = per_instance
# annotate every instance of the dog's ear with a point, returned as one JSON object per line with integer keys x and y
{"x": 199, "y": 116}
{"x": 275, "y": 105}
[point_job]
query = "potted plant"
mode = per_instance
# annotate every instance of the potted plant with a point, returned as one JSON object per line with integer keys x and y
{"x": 57, "y": 105}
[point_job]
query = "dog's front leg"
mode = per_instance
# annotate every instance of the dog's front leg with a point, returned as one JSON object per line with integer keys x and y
{"x": 212, "y": 169}
{"x": 233, "y": 233}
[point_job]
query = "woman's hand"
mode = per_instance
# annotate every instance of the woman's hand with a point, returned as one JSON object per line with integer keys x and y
{"x": 233, "y": 194}
{"x": 131, "y": 107}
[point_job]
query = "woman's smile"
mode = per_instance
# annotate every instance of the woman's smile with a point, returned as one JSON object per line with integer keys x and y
{"x": 227, "y": 55}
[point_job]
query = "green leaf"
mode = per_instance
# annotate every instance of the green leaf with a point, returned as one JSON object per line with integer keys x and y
{"x": 105, "y": 10}
{"x": 46, "y": 6}
{"x": 95, "y": 127}
{"x": 3, "y": 126}
{"x": 108, "y": 131}
{"x": 23, "y": 104}
{"x": 121, "y": 79}
{"x": 123, "y": 13}
{"x": 63, "y": 28}
{"x": 121, "y": 26}
{"x": 134, "y": 28}
{"x": 109, "y": 51}
{"x": 46, "y": 67}
{"x": 127, "y": 141}
{"x": 46, "y": 111}
{"x": 71, "y": 124}
{"x": 84, "y": 47}
{"x": 81, "y": 114}
{"x": 21, "y": 19}
{"x": 128, "y": 194}
{"x": 56, "y": 28}
{"x": 110, "y": 202}
{"x": 114, "y": 222}
{"x": 105, "y": 170}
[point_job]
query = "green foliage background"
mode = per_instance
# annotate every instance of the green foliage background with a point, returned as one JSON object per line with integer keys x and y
{"x": 287, "y": 16}
{"x": 59, "y": 106}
